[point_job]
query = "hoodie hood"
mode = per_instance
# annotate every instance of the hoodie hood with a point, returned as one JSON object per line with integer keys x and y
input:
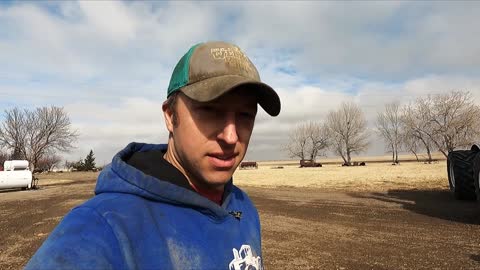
{"x": 120, "y": 177}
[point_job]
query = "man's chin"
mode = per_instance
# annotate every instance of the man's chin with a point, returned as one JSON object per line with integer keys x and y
{"x": 219, "y": 178}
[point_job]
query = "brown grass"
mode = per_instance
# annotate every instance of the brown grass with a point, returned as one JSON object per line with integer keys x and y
{"x": 373, "y": 177}
{"x": 46, "y": 179}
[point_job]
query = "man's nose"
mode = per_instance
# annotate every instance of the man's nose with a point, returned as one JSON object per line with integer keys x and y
{"x": 228, "y": 133}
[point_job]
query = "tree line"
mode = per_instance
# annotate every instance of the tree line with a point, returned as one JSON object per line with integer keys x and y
{"x": 39, "y": 135}
{"x": 87, "y": 164}
{"x": 442, "y": 122}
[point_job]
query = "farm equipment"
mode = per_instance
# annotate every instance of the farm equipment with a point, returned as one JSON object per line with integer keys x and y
{"x": 309, "y": 163}
{"x": 463, "y": 167}
{"x": 249, "y": 164}
{"x": 16, "y": 174}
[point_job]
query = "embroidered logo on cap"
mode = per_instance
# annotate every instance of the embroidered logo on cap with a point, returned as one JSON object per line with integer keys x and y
{"x": 233, "y": 56}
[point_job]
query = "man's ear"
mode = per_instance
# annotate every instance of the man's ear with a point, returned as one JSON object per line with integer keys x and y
{"x": 168, "y": 115}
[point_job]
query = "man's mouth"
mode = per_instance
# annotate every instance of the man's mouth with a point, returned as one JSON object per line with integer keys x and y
{"x": 220, "y": 160}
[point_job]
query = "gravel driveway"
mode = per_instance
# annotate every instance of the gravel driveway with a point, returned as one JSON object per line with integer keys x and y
{"x": 303, "y": 228}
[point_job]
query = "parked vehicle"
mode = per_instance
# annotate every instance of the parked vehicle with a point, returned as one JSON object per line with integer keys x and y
{"x": 16, "y": 174}
{"x": 309, "y": 163}
{"x": 463, "y": 167}
{"x": 249, "y": 164}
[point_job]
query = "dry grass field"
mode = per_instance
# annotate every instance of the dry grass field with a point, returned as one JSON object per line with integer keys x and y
{"x": 377, "y": 175}
{"x": 373, "y": 177}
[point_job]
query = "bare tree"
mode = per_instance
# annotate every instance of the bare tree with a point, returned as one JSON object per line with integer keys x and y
{"x": 297, "y": 143}
{"x": 3, "y": 157}
{"x": 454, "y": 120}
{"x": 347, "y": 129}
{"x": 389, "y": 126}
{"x": 307, "y": 141}
{"x": 318, "y": 137}
{"x": 38, "y": 132}
{"x": 410, "y": 142}
{"x": 416, "y": 126}
{"x": 13, "y": 133}
{"x": 48, "y": 162}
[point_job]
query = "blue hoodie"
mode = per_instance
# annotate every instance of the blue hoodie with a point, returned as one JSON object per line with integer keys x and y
{"x": 136, "y": 221}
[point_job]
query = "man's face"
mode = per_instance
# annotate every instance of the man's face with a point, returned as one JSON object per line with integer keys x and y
{"x": 211, "y": 138}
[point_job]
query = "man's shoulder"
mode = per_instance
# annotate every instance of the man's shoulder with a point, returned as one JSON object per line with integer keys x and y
{"x": 105, "y": 202}
{"x": 82, "y": 233}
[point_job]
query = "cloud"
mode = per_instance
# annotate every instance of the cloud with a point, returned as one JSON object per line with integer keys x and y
{"x": 109, "y": 62}
{"x": 82, "y": 42}
{"x": 378, "y": 40}
{"x": 105, "y": 128}
{"x": 113, "y": 19}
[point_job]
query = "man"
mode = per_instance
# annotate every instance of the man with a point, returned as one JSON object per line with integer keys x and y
{"x": 174, "y": 206}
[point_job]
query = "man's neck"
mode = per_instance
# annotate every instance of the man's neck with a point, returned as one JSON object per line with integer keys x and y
{"x": 213, "y": 194}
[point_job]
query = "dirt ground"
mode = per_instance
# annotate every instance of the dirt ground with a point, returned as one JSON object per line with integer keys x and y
{"x": 303, "y": 227}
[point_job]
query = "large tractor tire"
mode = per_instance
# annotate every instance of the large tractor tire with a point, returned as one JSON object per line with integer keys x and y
{"x": 460, "y": 173}
{"x": 476, "y": 174}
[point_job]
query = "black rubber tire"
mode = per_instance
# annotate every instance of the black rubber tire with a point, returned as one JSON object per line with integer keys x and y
{"x": 460, "y": 174}
{"x": 476, "y": 175}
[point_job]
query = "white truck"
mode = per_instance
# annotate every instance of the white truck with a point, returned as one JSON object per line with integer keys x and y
{"x": 16, "y": 174}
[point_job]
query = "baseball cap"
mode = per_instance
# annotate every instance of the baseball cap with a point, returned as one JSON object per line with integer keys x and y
{"x": 211, "y": 69}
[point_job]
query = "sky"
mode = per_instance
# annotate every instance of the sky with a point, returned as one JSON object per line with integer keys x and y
{"x": 108, "y": 64}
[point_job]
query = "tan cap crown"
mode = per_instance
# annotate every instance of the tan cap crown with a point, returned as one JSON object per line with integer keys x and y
{"x": 209, "y": 70}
